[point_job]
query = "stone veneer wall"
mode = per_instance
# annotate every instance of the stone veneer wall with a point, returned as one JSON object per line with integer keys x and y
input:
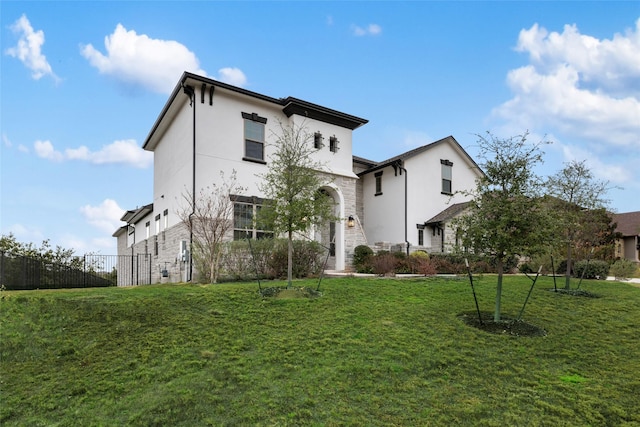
{"x": 353, "y": 236}
{"x": 165, "y": 258}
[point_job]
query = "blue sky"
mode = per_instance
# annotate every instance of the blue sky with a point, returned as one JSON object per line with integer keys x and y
{"x": 83, "y": 82}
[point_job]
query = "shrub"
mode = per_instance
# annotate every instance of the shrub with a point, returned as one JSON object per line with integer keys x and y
{"x": 623, "y": 269}
{"x": 269, "y": 258}
{"x": 306, "y": 258}
{"x": 362, "y": 259}
{"x": 384, "y": 263}
{"x": 595, "y": 269}
{"x": 422, "y": 264}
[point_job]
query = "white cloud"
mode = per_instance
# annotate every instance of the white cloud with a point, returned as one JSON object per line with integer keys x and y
{"x": 25, "y": 234}
{"x": 578, "y": 86}
{"x": 45, "y": 150}
{"x": 615, "y": 173}
{"x": 6, "y": 141}
{"x": 29, "y": 49}
{"x": 23, "y": 149}
{"x": 233, "y": 76}
{"x": 125, "y": 152}
{"x": 142, "y": 61}
{"x": 369, "y": 30}
{"x": 106, "y": 216}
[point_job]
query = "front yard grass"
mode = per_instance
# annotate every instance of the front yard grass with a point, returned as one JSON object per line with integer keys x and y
{"x": 367, "y": 352}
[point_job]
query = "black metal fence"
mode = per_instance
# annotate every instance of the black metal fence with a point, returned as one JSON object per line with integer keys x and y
{"x": 19, "y": 272}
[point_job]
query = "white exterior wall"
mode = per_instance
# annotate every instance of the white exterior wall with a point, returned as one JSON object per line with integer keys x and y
{"x": 385, "y": 213}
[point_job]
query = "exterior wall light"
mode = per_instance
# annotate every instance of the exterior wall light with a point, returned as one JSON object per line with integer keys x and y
{"x": 351, "y": 222}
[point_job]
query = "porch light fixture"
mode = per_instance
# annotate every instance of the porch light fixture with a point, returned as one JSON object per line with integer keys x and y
{"x": 351, "y": 222}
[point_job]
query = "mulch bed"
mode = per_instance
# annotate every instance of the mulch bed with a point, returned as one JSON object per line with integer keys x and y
{"x": 506, "y": 326}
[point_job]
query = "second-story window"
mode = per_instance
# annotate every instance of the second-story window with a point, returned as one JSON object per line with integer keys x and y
{"x": 447, "y": 168}
{"x": 333, "y": 144}
{"x": 378, "y": 177}
{"x": 254, "y": 136}
{"x": 317, "y": 141}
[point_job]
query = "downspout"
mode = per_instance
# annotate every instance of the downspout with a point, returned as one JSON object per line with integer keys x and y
{"x": 190, "y": 92}
{"x": 402, "y": 168}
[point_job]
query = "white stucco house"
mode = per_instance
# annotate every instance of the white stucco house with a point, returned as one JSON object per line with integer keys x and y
{"x": 208, "y": 127}
{"x": 411, "y": 198}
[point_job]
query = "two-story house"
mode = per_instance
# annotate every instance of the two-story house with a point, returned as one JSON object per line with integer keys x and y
{"x": 208, "y": 127}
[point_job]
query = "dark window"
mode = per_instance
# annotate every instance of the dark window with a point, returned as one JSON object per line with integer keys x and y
{"x": 317, "y": 141}
{"x": 333, "y": 144}
{"x": 332, "y": 238}
{"x": 447, "y": 172}
{"x": 378, "y": 177}
{"x": 420, "y": 237}
{"x": 254, "y": 136}
{"x": 244, "y": 222}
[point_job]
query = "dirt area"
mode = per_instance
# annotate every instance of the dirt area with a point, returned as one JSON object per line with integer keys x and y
{"x": 506, "y": 326}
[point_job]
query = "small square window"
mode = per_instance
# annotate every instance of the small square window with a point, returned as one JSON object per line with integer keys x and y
{"x": 333, "y": 144}
{"x": 317, "y": 141}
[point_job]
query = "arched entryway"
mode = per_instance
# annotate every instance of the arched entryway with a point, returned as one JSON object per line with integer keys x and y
{"x": 332, "y": 234}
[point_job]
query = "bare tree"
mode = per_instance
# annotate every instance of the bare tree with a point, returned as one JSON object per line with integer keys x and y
{"x": 577, "y": 198}
{"x": 208, "y": 216}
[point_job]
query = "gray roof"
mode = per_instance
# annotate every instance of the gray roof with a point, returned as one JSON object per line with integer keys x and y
{"x": 449, "y": 213}
{"x": 402, "y": 157}
{"x": 627, "y": 223}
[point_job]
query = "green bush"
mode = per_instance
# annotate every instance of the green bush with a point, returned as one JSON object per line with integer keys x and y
{"x": 243, "y": 262}
{"x": 623, "y": 269}
{"x": 362, "y": 259}
{"x": 594, "y": 269}
{"x": 267, "y": 259}
{"x": 307, "y": 258}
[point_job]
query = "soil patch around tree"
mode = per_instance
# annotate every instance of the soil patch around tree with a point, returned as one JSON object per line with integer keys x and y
{"x": 290, "y": 293}
{"x": 506, "y": 326}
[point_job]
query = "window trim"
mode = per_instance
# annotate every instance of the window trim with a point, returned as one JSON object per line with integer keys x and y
{"x": 446, "y": 165}
{"x": 253, "y": 117}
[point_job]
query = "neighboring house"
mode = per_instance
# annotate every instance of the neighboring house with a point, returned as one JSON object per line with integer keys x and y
{"x": 628, "y": 225}
{"x": 208, "y": 127}
{"x": 408, "y": 200}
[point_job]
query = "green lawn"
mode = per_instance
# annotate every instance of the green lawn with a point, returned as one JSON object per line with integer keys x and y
{"x": 368, "y": 352}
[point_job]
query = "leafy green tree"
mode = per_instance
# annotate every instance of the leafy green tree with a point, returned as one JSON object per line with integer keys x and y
{"x": 45, "y": 253}
{"x": 505, "y": 217}
{"x": 577, "y": 203}
{"x": 293, "y": 188}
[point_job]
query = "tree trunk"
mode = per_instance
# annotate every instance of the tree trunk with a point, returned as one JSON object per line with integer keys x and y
{"x": 496, "y": 314}
{"x": 290, "y": 260}
{"x": 567, "y": 276}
